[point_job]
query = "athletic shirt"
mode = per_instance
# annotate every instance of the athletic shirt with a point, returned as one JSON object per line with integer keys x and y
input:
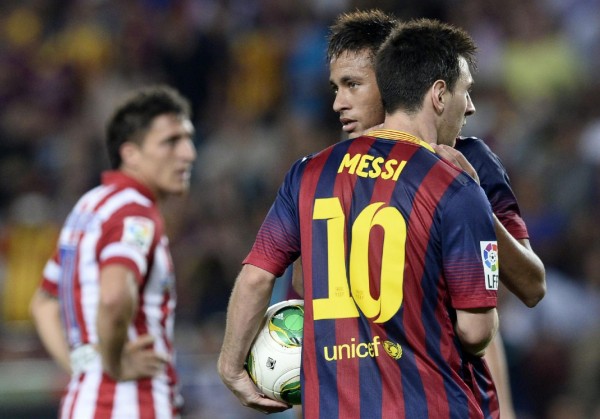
{"x": 117, "y": 222}
{"x": 495, "y": 182}
{"x": 393, "y": 241}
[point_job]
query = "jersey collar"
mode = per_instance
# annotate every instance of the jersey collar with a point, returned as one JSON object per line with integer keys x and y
{"x": 390, "y": 134}
{"x": 120, "y": 179}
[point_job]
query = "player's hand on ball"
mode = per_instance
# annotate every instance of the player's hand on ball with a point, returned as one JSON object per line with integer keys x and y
{"x": 246, "y": 391}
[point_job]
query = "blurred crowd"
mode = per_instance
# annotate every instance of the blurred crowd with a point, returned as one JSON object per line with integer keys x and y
{"x": 256, "y": 74}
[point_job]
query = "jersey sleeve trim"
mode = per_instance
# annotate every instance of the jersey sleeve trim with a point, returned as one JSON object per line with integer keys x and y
{"x": 124, "y": 254}
{"x": 263, "y": 263}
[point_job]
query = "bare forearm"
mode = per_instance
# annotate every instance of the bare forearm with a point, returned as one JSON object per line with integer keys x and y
{"x": 45, "y": 311}
{"x": 247, "y": 306}
{"x": 496, "y": 360}
{"x": 116, "y": 308}
{"x": 112, "y": 336}
{"x": 476, "y": 328}
{"x": 521, "y": 270}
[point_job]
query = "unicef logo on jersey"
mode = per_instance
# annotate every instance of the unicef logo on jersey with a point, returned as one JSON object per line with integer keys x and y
{"x": 491, "y": 264}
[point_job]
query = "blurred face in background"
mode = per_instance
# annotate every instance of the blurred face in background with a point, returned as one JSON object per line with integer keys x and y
{"x": 357, "y": 98}
{"x": 163, "y": 159}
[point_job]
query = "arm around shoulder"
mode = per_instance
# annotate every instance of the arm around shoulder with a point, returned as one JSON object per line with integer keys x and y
{"x": 521, "y": 270}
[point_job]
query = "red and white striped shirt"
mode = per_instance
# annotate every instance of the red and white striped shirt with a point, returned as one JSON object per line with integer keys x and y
{"x": 116, "y": 222}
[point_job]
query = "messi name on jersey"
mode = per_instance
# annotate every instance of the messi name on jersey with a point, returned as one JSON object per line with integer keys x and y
{"x": 365, "y": 165}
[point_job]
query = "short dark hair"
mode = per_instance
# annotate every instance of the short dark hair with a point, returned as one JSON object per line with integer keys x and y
{"x": 131, "y": 120}
{"x": 358, "y": 31}
{"x": 414, "y": 56}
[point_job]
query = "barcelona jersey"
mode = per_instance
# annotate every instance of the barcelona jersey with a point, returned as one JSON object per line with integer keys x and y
{"x": 393, "y": 241}
{"x": 495, "y": 182}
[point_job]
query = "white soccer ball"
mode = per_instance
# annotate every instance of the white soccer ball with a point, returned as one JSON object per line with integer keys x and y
{"x": 274, "y": 358}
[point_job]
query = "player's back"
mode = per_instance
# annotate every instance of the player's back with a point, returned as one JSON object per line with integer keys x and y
{"x": 388, "y": 257}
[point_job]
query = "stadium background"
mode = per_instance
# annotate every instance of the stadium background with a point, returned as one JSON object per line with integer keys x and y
{"x": 256, "y": 74}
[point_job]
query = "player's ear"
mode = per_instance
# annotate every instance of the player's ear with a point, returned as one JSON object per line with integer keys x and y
{"x": 438, "y": 98}
{"x": 129, "y": 152}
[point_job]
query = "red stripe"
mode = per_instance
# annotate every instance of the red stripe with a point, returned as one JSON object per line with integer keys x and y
{"x": 432, "y": 188}
{"x": 145, "y": 399}
{"x": 392, "y": 398}
{"x": 106, "y": 397}
{"x": 308, "y": 187}
{"x": 348, "y": 376}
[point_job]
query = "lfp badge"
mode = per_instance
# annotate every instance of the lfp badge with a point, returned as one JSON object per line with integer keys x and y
{"x": 491, "y": 266}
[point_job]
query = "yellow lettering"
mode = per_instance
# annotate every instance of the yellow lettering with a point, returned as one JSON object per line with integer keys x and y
{"x": 344, "y": 347}
{"x": 353, "y": 350}
{"x": 376, "y": 345}
{"x": 327, "y": 356}
{"x": 399, "y": 169}
{"x": 364, "y": 164}
{"x": 390, "y": 165}
{"x": 349, "y": 162}
{"x": 363, "y": 354}
{"x": 376, "y": 167}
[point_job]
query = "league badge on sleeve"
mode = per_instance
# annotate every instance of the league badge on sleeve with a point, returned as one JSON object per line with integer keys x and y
{"x": 491, "y": 267}
{"x": 138, "y": 232}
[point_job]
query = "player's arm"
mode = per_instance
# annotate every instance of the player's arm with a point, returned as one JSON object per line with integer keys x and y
{"x": 123, "y": 360}
{"x": 522, "y": 271}
{"x": 495, "y": 357}
{"x": 298, "y": 278}
{"x": 476, "y": 328}
{"x": 247, "y": 306}
{"x": 45, "y": 311}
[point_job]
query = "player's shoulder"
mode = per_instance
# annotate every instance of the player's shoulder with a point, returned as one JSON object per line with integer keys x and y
{"x": 471, "y": 143}
{"x": 124, "y": 204}
{"x": 476, "y": 151}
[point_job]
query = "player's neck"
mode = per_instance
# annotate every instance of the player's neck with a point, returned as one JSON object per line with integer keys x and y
{"x": 414, "y": 124}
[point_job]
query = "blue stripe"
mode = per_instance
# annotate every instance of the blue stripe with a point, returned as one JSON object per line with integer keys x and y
{"x": 68, "y": 258}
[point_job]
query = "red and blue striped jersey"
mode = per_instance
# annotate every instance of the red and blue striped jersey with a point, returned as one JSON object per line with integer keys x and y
{"x": 393, "y": 241}
{"x": 495, "y": 183}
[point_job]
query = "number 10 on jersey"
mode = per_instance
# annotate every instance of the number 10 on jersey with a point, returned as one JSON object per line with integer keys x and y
{"x": 349, "y": 293}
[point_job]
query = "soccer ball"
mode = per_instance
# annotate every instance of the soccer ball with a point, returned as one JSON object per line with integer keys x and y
{"x": 274, "y": 358}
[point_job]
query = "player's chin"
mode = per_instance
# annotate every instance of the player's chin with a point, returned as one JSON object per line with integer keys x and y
{"x": 179, "y": 188}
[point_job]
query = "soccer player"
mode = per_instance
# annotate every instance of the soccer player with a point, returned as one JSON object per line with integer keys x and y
{"x": 353, "y": 42}
{"x": 105, "y": 307}
{"x": 398, "y": 284}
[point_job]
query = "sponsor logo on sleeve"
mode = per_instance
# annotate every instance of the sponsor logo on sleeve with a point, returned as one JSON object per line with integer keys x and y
{"x": 138, "y": 232}
{"x": 491, "y": 267}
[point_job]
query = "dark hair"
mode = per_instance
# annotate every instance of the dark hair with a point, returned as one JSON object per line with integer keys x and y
{"x": 415, "y": 55}
{"x": 358, "y": 31}
{"x": 131, "y": 120}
